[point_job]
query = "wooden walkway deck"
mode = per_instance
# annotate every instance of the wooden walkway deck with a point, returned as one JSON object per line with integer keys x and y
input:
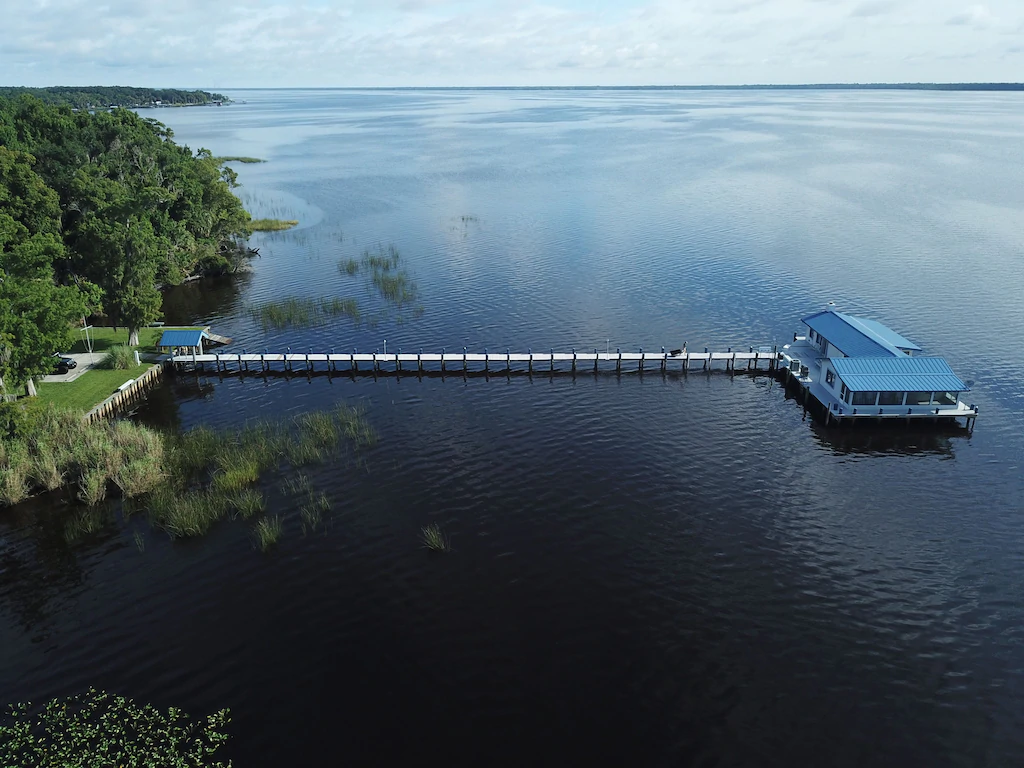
{"x": 530, "y": 362}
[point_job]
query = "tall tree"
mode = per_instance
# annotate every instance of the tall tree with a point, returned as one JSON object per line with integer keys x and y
{"x": 36, "y": 314}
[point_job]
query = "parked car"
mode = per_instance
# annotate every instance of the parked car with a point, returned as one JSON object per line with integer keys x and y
{"x": 64, "y": 364}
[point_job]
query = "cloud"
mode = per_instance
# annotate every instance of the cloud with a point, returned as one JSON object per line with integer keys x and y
{"x": 500, "y": 42}
{"x": 873, "y": 8}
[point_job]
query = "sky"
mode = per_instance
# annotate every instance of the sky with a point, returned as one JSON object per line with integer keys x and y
{"x": 364, "y": 43}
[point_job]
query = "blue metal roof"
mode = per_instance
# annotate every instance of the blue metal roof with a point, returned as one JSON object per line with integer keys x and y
{"x": 181, "y": 338}
{"x": 884, "y": 332}
{"x": 855, "y": 336}
{"x": 897, "y": 374}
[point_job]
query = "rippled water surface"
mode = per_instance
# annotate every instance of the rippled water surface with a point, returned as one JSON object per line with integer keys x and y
{"x": 647, "y": 570}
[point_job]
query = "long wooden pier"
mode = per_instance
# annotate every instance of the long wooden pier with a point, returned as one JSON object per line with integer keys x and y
{"x": 487, "y": 362}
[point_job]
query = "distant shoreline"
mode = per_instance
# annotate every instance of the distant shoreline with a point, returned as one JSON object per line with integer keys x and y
{"x": 996, "y": 87}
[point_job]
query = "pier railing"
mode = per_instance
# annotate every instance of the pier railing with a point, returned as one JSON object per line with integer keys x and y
{"x": 444, "y": 361}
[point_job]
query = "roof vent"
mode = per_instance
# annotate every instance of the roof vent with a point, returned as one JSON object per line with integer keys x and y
{"x": 830, "y": 307}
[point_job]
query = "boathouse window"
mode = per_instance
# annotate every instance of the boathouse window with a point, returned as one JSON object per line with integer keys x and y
{"x": 919, "y": 398}
{"x": 830, "y": 377}
{"x": 865, "y": 398}
{"x": 890, "y": 398}
{"x": 945, "y": 398}
{"x": 844, "y": 394}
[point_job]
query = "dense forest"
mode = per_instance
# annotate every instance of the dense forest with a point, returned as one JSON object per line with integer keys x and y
{"x": 96, "y": 211}
{"x": 102, "y": 96}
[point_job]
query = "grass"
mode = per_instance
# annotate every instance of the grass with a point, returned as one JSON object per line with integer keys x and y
{"x": 238, "y": 159}
{"x": 267, "y": 532}
{"x": 434, "y": 538}
{"x": 302, "y": 313}
{"x": 312, "y": 513}
{"x": 105, "y": 337}
{"x": 248, "y": 503}
{"x": 297, "y": 485}
{"x": 272, "y": 225}
{"x": 119, "y": 357}
{"x": 89, "y": 389}
{"x": 349, "y": 266}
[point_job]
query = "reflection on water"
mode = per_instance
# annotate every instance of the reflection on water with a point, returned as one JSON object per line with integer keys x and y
{"x": 647, "y": 569}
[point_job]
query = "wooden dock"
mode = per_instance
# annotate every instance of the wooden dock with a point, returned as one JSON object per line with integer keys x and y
{"x": 485, "y": 362}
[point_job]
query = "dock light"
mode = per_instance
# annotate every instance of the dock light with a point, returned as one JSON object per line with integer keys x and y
{"x": 385, "y": 346}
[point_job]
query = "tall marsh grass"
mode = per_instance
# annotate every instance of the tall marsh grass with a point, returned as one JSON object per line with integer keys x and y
{"x": 296, "y": 312}
{"x": 267, "y": 532}
{"x": 435, "y": 539}
{"x": 119, "y": 357}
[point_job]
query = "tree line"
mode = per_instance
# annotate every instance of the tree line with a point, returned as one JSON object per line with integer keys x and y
{"x": 96, "y": 211}
{"x": 103, "y": 96}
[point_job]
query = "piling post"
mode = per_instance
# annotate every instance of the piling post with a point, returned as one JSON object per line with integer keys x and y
{"x": 443, "y": 350}
{"x": 376, "y": 365}
{"x": 398, "y": 361}
{"x": 664, "y": 360}
{"x": 574, "y": 359}
{"x": 240, "y": 362}
{"x": 641, "y": 360}
{"x": 618, "y": 362}
{"x": 419, "y": 361}
{"x": 309, "y": 363}
{"x": 552, "y": 360}
{"x": 355, "y": 363}
{"x": 508, "y": 361}
{"x": 706, "y": 359}
{"x": 530, "y": 352}
{"x": 463, "y": 361}
{"x": 595, "y": 359}
{"x": 487, "y": 361}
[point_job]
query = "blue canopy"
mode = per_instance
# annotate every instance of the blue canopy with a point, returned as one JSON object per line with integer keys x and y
{"x": 181, "y": 338}
{"x": 897, "y": 374}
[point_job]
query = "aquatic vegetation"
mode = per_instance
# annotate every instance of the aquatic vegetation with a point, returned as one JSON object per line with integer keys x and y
{"x": 238, "y": 159}
{"x": 119, "y": 357}
{"x": 349, "y": 266}
{"x": 248, "y": 503}
{"x": 302, "y": 313}
{"x": 96, "y": 728}
{"x": 297, "y": 485}
{"x": 313, "y": 511}
{"x": 267, "y": 532}
{"x": 92, "y": 487}
{"x": 272, "y": 225}
{"x": 87, "y": 521}
{"x": 398, "y": 288}
{"x": 185, "y": 483}
{"x": 140, "y": 541}
{"x": 434, "y": 538}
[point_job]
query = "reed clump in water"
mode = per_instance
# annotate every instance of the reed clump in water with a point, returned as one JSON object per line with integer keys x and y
{"x": 294, "y": 312}
{"x": 313, "y": 511}
{"x": 267, "y": 532}
{"x": 185, "y": 482}
{"x": 435, "y": 539}
{"x": 272, "y": 225}
{"x": 52, "y": 447}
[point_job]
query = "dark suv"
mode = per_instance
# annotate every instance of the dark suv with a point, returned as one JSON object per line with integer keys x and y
{"x": 64, "y": 364}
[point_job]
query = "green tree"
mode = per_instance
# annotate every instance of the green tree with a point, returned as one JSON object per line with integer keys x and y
{"x": 36, "y": 314}
{"x": 99, "y": 730}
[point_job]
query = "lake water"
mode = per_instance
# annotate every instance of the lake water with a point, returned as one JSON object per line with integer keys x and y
{"x": 647, "y": 570}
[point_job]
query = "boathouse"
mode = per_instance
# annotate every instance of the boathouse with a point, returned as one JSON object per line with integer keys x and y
{"x": 187, "y": 341}
{"x": 857, "y": 367}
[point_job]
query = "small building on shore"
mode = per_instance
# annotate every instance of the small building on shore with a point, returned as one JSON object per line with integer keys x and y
{"x": 859, "y": 368}
{"x": 182, "y": 342}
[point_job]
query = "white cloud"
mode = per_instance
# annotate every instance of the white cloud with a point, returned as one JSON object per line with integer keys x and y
{"x": 502, "y": 42}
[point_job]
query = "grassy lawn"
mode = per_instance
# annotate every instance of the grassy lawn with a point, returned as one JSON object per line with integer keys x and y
{"x": 103, "y": 338}
{"x": 91, "y": 388}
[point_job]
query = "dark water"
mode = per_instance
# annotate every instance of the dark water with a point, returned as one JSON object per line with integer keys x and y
{"x": 648, "y": 570}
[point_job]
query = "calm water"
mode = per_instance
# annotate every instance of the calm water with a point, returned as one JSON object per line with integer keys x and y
{"x": 651, "y": 570}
